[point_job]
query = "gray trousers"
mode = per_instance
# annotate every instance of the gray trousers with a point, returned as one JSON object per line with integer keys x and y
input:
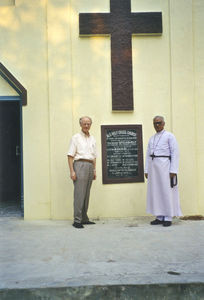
{"x": 84, "y": 173}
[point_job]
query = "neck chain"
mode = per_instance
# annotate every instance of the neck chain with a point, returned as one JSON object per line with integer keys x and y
{"x": 154, "y": 147}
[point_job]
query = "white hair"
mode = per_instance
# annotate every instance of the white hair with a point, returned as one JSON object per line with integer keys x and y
{"x": 160, "y": 117}
{"x": 84, "y": 117}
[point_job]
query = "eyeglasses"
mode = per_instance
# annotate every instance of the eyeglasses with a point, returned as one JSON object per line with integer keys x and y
{"x": 157, "y": 123}
{"x": 86, "y": 124}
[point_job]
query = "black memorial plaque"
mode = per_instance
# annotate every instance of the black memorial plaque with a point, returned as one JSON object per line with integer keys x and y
{"x": 122, "y": 153}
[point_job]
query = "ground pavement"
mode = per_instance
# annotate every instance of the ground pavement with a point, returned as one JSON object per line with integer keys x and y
{"x": 114, "y": 259}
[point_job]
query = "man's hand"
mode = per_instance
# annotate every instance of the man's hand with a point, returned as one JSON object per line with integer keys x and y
{"x": 73, "y": 176}
{"x": 172, "y": 175}
{"x": 94, "y": 177}
{"x": 146, "y": 175}
{"x": 71, "y": 168}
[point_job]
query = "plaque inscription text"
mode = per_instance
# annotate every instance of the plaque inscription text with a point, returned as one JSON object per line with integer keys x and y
{"x": 122, "y": 153}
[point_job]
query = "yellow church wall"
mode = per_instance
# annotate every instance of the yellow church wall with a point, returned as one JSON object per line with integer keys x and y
{"x": 6, "y": 89}
{"x": 60, "y": 105}
{"x": 165, "y": 92}
{"x": 92, "y": 96}
{"x": 33, "y": 49}
{"x": 68, "y": 76}
{"x": 183, "y": 101}
{"x": 198, "y": 14}
{"x": 24, "y": 53}
{"x": 7, "y": 2}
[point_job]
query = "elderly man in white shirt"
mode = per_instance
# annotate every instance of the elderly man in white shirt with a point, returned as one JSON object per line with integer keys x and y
{"x": 161, "y": 170}
{"x": 82, "y": 165}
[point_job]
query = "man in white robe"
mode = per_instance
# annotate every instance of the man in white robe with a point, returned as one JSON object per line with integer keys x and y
{"x": 161, "y": 170}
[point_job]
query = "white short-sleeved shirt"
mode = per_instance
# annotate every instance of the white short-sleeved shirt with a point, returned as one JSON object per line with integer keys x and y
{"x": 82, "y": 147}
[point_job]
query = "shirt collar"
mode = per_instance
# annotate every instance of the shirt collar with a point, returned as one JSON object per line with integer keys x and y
{"x": 160, "y": 132}
{"x": 83, "y": 134}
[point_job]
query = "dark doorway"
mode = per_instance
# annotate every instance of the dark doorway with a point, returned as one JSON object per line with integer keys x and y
{"x": 10, "y": 157}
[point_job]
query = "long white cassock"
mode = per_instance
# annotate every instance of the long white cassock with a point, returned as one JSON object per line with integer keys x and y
{"x": 162, "y": 199}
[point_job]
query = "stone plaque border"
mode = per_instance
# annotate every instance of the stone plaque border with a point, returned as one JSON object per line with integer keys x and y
{"x": 105, "y": 178}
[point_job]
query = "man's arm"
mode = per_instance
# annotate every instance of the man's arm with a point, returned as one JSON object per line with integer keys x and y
{"x": 94, "y": 163}
{"x": 71, "y": 168}
{"x": 174, "y": 156}
{"x": 146, "y": 160}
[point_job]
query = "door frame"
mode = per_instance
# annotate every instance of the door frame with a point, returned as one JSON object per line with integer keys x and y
{"x": 22, "y": 92}
{"x": 18, "y": 99}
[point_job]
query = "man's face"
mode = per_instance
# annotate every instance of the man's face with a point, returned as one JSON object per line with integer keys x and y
{"x": 85, "y": 125}
{"x": 158, "y": 124}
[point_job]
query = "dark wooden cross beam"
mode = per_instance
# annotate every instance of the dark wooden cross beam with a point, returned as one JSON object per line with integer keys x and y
{"x": 120, "y": 23}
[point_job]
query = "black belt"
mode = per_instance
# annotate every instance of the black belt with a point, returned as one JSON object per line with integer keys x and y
{"x": 153, "y": 156}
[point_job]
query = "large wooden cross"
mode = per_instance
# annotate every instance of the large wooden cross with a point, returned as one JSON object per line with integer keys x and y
{"x": 121, "y": 24}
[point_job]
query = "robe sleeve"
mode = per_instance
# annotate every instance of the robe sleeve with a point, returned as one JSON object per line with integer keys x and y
{"x": 147, "y": 158}
{"x": 174, "y": 152}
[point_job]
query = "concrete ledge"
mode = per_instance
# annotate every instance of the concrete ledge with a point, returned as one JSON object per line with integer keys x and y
{"x": 189, "y": 291}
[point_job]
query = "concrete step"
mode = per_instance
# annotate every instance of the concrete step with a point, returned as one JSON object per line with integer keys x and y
{"x": 187, "y": 291}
